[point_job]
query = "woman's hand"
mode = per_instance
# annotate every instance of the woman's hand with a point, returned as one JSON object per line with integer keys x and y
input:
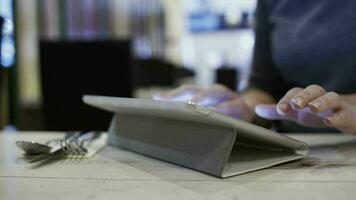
{"x": 217, "y": 97}
{"x": 314, "y": 107}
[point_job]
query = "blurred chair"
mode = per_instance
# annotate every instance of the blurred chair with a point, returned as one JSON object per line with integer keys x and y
{"x": 228, "y": 76}
{"x": 70, "y": 69}
{"x": 152, "y": 72}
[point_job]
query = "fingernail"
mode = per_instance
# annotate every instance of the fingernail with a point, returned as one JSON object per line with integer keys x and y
{"x": 328, "y": 121}
{"x": 298, "y": 101}
{"x": 315, "y": 106}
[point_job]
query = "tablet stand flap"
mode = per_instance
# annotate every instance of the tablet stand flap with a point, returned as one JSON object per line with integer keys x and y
{"x": 207, "y": 148}
{"x": 201, "y": 147}
{"x": 246, "y": 158}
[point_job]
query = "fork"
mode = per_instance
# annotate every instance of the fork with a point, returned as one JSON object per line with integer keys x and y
{"x": 71, "y": 146}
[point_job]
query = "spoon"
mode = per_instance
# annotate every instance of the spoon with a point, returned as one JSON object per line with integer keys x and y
{"x": 33, "y": 148}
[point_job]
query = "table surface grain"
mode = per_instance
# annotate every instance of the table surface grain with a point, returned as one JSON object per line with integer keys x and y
{"x": 329, "y": 172}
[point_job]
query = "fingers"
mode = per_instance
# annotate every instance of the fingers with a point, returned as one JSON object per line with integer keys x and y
{"x": 284, "y": 107}
{"x": 301, "y": 99}
{"x": 202, "y": 96}
{"x": 329, "y": 101}
{"x": 303, "y": 117}
{"x": 269, "y": 112}
{"x": 298, "y": 99}
{"x": 182, "y": 93}
{"x": 213, "y": 95}
{"x": 205, "y": 98}
{"x": 315, "y": 107}
{"x": 235, "y": 108}
{"x": 299, "y": 105}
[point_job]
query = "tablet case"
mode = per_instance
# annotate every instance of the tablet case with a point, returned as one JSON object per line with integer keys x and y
{"x": 195, "y": 137}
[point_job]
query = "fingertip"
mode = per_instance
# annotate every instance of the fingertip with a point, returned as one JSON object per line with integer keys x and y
{"x": 266, "y": 111}
{"x": 258, "y": 108}
{"x": 283, "y": 108}
{"x": 262, "y": 108}
{"x": 260, "y": 111}
{"x": 328, "y": 121}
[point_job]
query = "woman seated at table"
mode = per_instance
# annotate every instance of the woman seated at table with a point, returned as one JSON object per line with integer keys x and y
{"x": 303, "y": 73}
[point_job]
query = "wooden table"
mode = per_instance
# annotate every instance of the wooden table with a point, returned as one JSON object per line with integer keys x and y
{"x": 328, "y": 173}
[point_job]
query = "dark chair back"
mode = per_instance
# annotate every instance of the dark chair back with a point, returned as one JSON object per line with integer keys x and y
{"x": 71, "y": 69}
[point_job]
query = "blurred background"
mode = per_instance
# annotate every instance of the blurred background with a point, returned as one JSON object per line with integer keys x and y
{"x": 54, "y": 51}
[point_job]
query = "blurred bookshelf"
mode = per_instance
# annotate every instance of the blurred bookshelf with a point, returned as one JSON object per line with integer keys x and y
{"x": 222, "y": 15}
{"x": 140, "y": 20}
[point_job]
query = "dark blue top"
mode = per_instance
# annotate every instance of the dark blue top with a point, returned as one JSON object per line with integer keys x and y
{"x": 303, "y": 42}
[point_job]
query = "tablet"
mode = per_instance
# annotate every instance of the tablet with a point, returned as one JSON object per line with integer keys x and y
{"x": 186, "y": 122}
